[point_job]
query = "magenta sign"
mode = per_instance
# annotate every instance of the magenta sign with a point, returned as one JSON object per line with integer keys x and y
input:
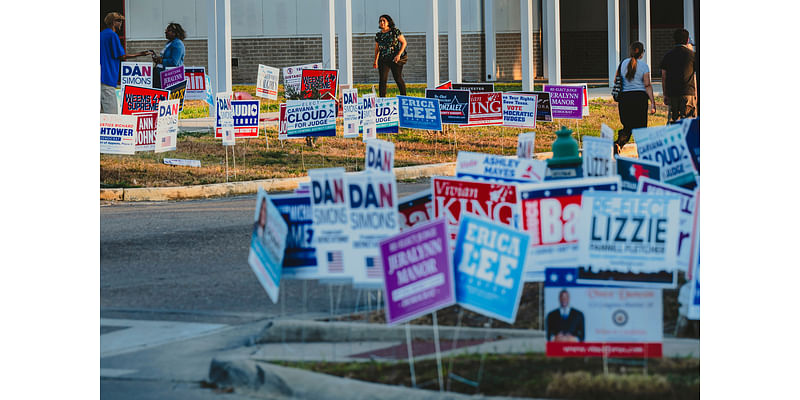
{"x": 565, "y": 101}
{"x": 172, "y": 77}
{"x": 418, "y": 272}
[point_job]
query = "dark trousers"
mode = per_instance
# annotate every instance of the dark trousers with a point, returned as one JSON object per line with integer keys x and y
{"x": 632, "y": 114}
{"x": 397, "y": 72}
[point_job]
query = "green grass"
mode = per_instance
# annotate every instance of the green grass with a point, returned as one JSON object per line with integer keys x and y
{"x": 534, "y": 375}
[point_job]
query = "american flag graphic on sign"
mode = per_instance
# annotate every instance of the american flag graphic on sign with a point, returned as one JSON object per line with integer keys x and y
{"x": 374, "y": 267}
{"x": 335, "y": 261}
{"x": 166, "y": 141}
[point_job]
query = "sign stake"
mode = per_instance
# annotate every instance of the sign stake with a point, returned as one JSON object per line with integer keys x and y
{"x": 438, "y": 352}
{"x": 483, "y": 355}
{"x": 226, "y": 163}
{"x": 410, "y": 356}
{"x": 455, "y": 345}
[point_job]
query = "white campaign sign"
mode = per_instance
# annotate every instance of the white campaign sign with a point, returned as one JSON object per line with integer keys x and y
{"x": 598, "y": 157}
{"x": 352, "y": 120}
{"x": 118, "y": 134}
{"x": 292, "y": 76}
{"x": 224, "y": 104}
{"x": 606, "y": 132}
{"x": 368, "y": 106}
{"x": 167, "y": 125}
{"x": 666, "y": 145}
{"x": 519, "y": 110}
{"x": 380, "y": 156}
{"x": 525, "y": 144}
{"x": 685, "y": 236}
{"x": 330, "y": 209}
{"x": 501, "y": 168}
{"x": 267, "y": 83}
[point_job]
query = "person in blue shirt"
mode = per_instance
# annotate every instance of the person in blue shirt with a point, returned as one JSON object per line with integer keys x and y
{"x": 172, "y": 55}
{"x": 111, "y": 54}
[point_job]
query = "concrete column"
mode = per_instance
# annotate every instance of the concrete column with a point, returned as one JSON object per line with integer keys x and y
{"x": 432, "y": 45}
{"x": 219, "y": 46}
{"x": 644, "y": 29}
{"x": 553, "y": 40}
{"x": 688, "y": 17}
{"x": 613, "y": 40}
{"x": 526, "y": 36}
{"x": 545, "y": 56}
{"x": 345, "y": 31}
{"x": 328, "y": 35}
{"x": 490, "y": 48}
{"x": 454, "y": 41}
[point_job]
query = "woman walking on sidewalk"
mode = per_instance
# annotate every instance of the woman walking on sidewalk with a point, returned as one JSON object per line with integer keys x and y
{"x": 636, "y": 90}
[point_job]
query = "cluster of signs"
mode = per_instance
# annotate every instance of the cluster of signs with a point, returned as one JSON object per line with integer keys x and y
{"x": 154, "y": 111}
{"x": 604, "y": 249}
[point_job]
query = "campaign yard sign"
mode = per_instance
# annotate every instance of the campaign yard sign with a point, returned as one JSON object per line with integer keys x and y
{"x": 418, "y": 277}
{"x": 323, "y": 80}
{"x": 453, "y": 105}
{"x": 195, "y": 83}
{"x": 137, "y": 74}
{"x": 687, "y": 209}
{"x": 485, "y": 109}
{"x": 474, "y": 87}
{"x": 525, "y": 144}
{"x": 117, "y": 134}
{"x": 566, "y": 101}
{"x": 629, "y": 232}
{"x": 630, "y": 170}
{"x": 292, "y": 76}
{"x": 178, "y": 92}
{"x": 386, "y": 118}
{"x": 550, "y": 215}
{"x": 245, "y": 119}
{"x": 446, "y": 85}
{"x": 172, "y": 76}
{"x": 455, "y": 197}
{"x": 182, "y": 162}
{"x": 267, "y": 82}
{"x": 136, "y": 99}
{"x": 500, "y": 168}
{"x": 585, "y": 88}
{"x": 379, "y": 156}
{"x": 224, "y": 107}
{"x": 146, "y": 127}
{"x": 310, "y": 118}
{"x": 282, "y": 123}
{"x": 606, "y": 132}
{"x": 267, "y": 245}
{"x": 167, "y": 131}
{"x": 330, "y": 208}
{"x": 489, "y": 260}
{"x": 598, "y": 157}
{"x": 300, "y": 257}
{"x": 666, "y": 145}
{"x": 694, "y": 268}
{"x": 543, "y": 112}
{"x": 419, "y": 113}
{"x": 352, "y": 120}
{"x": 372, "y": 199}
{"x": 601, "y": 321}
{"x": 369, "y": 120}
{"x": 415, "y": 209}
{"x": 519, "y": 110}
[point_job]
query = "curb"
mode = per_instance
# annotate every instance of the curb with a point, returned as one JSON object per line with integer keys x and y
{"x": 271, "y": 381}
{"x": 329, "y": 332}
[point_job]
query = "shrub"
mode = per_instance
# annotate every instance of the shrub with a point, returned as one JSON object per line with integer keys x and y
{"x": 582, "y": 385}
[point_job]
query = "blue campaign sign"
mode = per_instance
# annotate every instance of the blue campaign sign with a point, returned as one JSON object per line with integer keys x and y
{"x": 692, "y": 128}
{"x": 386, "y": 115}
{"x": 489, "y": 259}
{"x": 419, "y": 113}
{"x": 300, "y": 257}
{"x": 631, "y": 169}
{"x": 453, "y": 105}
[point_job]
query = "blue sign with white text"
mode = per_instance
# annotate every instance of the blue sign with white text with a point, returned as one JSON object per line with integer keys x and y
{"x": 300, "y": 258}
{"x": 489, "y": 259}
{"x": 453, "y": 105}
{"x": 419, "y": 113}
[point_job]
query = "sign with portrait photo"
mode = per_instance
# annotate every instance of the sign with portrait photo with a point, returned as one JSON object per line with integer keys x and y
{"x": 267, "y": 245}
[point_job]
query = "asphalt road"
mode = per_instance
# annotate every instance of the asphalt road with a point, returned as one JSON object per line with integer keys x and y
{"x": 187, "y": 261}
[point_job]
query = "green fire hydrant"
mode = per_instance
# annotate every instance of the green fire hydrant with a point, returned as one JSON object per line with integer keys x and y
{"x": 566, "y": 163}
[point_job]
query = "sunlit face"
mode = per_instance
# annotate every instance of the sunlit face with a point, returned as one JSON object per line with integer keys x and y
{"x": 563, "y": 299}
{"x": 262, "y": 216}
{"x": 383, "y": 24}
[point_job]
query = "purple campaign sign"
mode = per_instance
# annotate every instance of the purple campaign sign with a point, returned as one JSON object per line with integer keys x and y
{"x": 172, "y": 76}
{"x": 565, "y": 101}
{"x": 418, "y": 274}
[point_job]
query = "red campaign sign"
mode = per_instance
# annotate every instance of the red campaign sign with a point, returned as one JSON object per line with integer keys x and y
{"x": 626, "y": 350}
{"x": 137, "y": 100}
{"x": 146, "y": 131}
{"x": 195, "y": 79}
{"x": 282, "y": 121}
{"x": 322, "y": 79}
{"x": 452, "y": 197}
{"x": 485, "y": 109}
{"x": 414, "y": 211}
{"x": 551, "y": 221}
{"x": 446, "y": 85}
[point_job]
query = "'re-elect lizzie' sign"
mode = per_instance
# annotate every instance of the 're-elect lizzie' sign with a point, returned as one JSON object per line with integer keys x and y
{"x": 453, "y": 197}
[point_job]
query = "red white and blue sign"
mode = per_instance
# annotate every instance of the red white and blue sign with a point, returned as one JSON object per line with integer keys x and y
{"x": 630, "y": 170}
{"x": 330, "y": 207}
{"x": 379, "y": 156}
{"x": 137, "y": 100}
{"x": 489, "y": 260}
